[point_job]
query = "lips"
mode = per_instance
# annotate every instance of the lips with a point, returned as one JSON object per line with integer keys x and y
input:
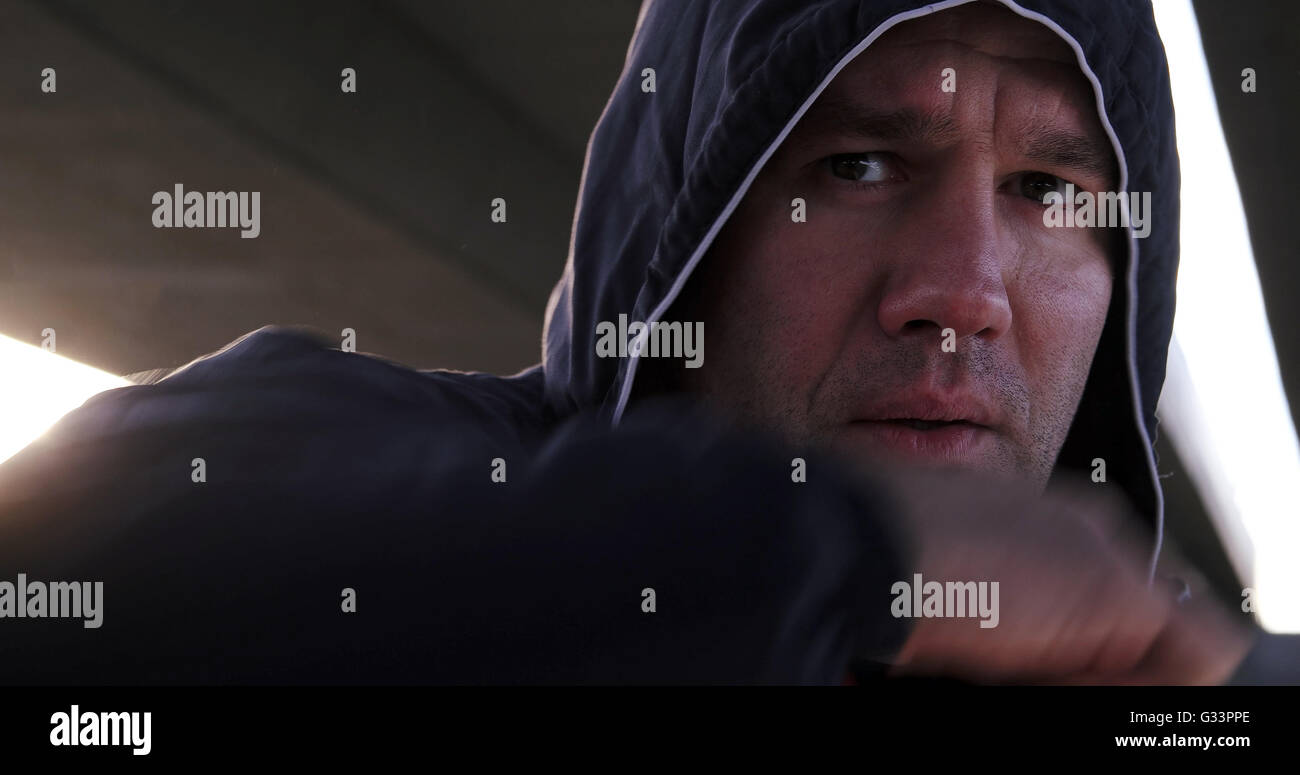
{"x": 925, "y": 427}
{"x": 927, "y": 411}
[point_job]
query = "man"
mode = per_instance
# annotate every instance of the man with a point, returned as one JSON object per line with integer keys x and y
{"x": 903, "y": 354}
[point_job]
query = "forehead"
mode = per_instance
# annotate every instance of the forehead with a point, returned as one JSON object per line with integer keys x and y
{"x": 1030, "y": 71}
{"x": 987, "y": 26}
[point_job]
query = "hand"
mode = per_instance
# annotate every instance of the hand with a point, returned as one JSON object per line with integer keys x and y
{"x": 1074, "y": 602}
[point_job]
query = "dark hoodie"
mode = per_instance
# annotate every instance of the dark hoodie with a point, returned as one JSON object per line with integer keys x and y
{"x": 328, "y": 471}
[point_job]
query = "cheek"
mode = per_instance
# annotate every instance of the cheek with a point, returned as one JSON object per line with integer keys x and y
{"x": 785, "y": 297}
{"x": 1062, "y": 311}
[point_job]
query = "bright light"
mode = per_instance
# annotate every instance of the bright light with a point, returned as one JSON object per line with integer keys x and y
{"x": 1223, "y": 402}
{"x": 37, "y": 388}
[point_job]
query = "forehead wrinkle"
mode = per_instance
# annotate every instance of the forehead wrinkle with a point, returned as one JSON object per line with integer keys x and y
{"x": 1059, "y": 127}
{"x": 989, "y": 27}
{"x": 896, "y": 82}
{"x": 1064, "y": 58}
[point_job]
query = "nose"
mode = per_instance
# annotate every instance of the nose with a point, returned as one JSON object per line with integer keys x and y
{"x": 948, "y": 266}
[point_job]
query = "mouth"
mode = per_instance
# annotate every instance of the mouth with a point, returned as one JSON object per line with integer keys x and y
{"x": 926, "y": 428}
{"x": 929, "y": 425}
{"x": 940, "y": 442}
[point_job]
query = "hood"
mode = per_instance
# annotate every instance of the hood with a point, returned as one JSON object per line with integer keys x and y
{"x": 665, "y": 170}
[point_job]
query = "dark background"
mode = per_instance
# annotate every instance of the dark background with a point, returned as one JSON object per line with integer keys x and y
{"x": 375, "y": 205}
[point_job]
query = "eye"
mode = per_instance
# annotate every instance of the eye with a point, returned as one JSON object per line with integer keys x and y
{"x": 872, "y": 167}
{"x": 1036, "y": 185}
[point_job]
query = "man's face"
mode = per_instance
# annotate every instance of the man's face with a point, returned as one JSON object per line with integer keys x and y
{"x": 924, "y": 213}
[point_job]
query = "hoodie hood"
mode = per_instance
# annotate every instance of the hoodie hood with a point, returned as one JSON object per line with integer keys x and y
{"x": 665, "y": 169}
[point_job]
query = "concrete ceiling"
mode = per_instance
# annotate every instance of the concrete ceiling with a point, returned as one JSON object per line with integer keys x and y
{"x": 376, "y": 205}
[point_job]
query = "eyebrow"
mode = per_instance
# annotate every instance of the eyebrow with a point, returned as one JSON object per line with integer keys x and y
{"x": 1057, "y": 147}
{"x": 835, "y": 115}
{"x": 1071, "y": 150}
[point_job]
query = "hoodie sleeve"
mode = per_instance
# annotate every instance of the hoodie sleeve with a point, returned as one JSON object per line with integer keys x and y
{"x": 348, "y": 528}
